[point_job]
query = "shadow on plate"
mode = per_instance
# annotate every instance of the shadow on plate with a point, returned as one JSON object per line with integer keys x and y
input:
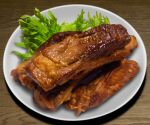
{"x": 100, "y": 120}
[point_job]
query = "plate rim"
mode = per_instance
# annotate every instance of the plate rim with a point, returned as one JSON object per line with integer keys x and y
{"x": 78, "y": 119}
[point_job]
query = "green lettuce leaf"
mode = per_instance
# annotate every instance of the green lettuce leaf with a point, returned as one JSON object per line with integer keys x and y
{"x": 39, "y": 28}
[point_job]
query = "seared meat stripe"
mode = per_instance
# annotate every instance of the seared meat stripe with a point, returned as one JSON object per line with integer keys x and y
{"x": 61, "y": 62}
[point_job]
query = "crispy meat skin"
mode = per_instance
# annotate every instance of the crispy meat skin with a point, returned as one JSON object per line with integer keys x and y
{"x": 58, "y": 63}
{"x": 105, "y": 86}
{"x": 52, "y": 101}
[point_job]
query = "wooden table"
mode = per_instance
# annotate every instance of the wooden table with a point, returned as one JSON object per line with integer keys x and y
{"x": 136, "y": 12}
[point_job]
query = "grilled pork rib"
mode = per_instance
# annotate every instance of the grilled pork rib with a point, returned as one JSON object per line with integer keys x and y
{"x": 53, "y": 99}
{"x": 83, "y": 52}
{"x": 105, "y": 86}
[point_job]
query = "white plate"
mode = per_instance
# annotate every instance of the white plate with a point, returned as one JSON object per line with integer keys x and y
{"x": 68, "y": 13}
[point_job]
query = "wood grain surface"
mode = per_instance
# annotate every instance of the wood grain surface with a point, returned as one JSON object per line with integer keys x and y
{"x": 136, "y": 12}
